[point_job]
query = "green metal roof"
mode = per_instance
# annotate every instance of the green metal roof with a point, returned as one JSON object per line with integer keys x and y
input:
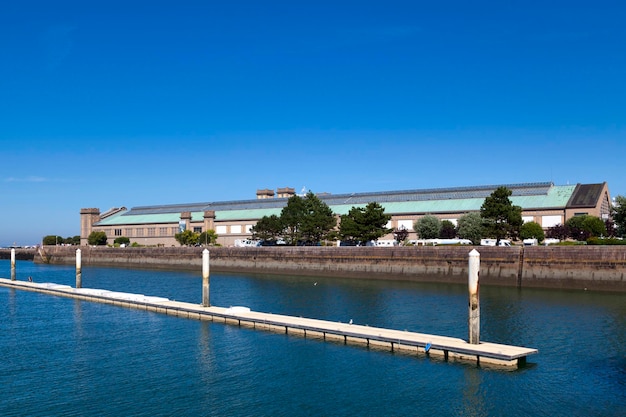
{"x": 254, "y": 214}
{"x": 557, "y": 196}
{"x": 544, "y": 198}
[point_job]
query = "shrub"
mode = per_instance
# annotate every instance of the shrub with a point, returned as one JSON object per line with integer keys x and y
{"x": 532, "y": 230}
{"x": 608, "y": 241}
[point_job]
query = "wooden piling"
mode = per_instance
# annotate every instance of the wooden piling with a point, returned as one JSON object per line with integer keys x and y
{"x": 12, "y": 264}
{"x": 474, "y": 298}
{"x": 79, "y": 277}
{"x": 205, "y": 278}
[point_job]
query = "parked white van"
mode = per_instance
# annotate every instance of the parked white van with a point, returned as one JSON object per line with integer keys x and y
{"x": 385, "y": 242}
{"x": 246, "y": 243}
{"x": 550, "y": 241}
{"x": 492, "y": 242}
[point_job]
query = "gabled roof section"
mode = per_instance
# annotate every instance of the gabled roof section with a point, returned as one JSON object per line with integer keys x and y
{"x": 112, "y": 211}
{"x": 585, "y": 195}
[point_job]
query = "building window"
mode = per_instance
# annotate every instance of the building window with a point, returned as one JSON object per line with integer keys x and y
{"x": 163, "y": 231}
{"x": 236, "y": 228}
{"x": 139, "y": 232}
{"x": 550, "y": 221}
{"x": 118, "y": 232}
{"x": 197, "y": 229}
{"x": 151, "y": 231}
{"x": 405, "y": 224}
{"x": 220, "y": 230}
{"x": 129, "y": 232}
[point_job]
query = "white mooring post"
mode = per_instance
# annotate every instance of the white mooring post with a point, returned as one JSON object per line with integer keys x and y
{"x": 79, "y": 278}
{"x": 12, "y": 264}
{"x": 205, "y": 278}
{"x": 474, "y": 298}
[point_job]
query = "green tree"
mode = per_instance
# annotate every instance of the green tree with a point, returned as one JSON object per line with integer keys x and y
{"x": 502, "y": 218}
{"x": 267, "y": 229}
{"x": 122, "y": 240}
{"x": 428, "y": 227}
{"x": 74, "y": 240}
{"x": 583, "y": 227}
{"x": 595, "y": 226}
{"x": 318, "y": 221}
{"x": 618, "y": 212}
{"x": 207, "y": 238}
{"x": 470, "y": 226}
{"x": 575, "y": 228}
{"x": 52, "y": 240}
{"x": 364, "y": 224}
{"x": 448, "y": 230}
{"x": 292, "y": 218}
{"x": 187, "y": 238}
{"x": 97, "y": 239}
{"x": 531, "y": 230}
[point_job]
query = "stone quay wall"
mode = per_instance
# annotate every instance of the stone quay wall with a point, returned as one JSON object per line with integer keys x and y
{"x": 21, "y": 254}
{"x": 600, "y": 268}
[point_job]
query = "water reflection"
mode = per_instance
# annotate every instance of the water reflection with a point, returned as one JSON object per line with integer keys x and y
{"x": 474, "y": 401}
{"x": 78, "y": 319}
{"x": 205, "y": 355}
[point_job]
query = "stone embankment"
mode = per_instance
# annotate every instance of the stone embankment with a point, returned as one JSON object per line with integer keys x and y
{"x": 600, "y": 268}
{"x": 21, "y": 254}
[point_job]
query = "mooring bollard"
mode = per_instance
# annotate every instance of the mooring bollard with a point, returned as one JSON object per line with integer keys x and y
{"x": 79, "y": 280}
{"x": 474, "y": 298}
{"x": 12, "y": 264}
{"x": 205, "y": 278}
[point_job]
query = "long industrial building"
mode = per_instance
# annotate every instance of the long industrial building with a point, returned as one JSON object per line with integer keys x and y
{"x": 544, "y": 203}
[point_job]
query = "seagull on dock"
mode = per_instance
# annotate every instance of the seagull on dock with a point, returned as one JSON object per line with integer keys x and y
{"x": 350, "y": 322}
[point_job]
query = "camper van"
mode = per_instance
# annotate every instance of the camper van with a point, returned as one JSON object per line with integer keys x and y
{"x": 246, "y": 243}
{"x": 492, "y": 242}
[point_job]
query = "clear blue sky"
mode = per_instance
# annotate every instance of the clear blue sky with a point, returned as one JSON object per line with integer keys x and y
{"x": 126, "y": 103}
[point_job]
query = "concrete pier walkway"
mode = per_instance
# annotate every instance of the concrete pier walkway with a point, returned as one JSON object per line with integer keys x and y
{"x": 448, "y": 348}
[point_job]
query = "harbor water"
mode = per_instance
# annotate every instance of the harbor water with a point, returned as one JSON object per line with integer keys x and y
{"x": 61, "y": 356}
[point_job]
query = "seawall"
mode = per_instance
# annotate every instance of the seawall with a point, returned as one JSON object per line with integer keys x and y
{"x": 21, "y": 254}
{"x": 599, "y": 268}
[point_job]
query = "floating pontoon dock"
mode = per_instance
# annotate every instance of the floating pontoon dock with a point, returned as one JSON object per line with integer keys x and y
{"x": 449, "y": 348}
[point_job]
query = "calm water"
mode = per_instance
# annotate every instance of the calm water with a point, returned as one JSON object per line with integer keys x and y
{"x": 67, "y": 357}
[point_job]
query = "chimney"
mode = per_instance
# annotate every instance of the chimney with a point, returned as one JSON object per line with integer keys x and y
{"x": 286, "y": 192}
{"x": 262, "y": 194}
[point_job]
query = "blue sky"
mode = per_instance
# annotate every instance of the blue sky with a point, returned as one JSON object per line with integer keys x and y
{"x": 126, "y": 103}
